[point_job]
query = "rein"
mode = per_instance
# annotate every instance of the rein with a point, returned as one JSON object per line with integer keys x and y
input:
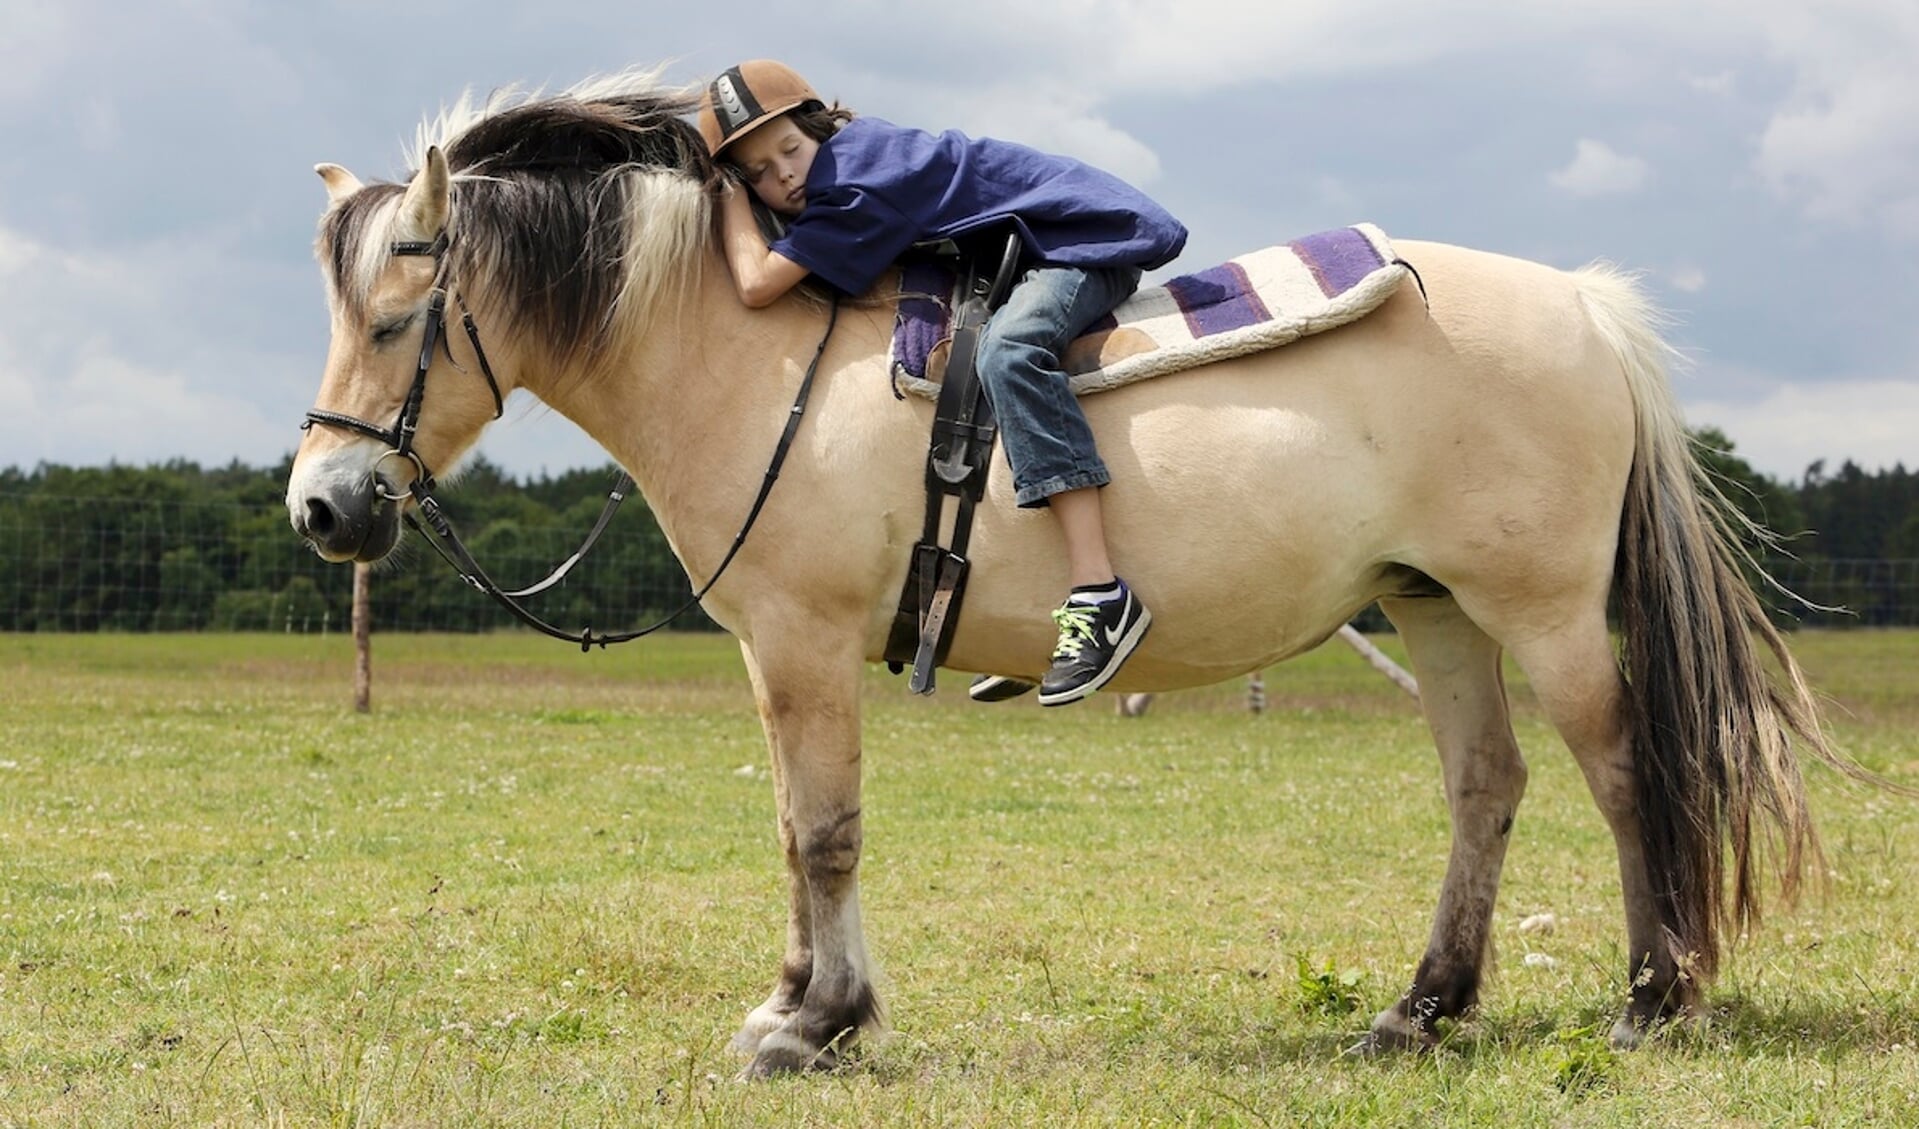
{"x": 446, "y": 541}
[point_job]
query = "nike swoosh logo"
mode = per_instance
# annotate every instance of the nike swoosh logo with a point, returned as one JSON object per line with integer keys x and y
{"x": 1114, "y": 632}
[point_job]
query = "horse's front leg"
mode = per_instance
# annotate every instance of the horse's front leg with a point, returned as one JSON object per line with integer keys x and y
{"x": 809, "y": 704}
{"x": 796, "y": 967}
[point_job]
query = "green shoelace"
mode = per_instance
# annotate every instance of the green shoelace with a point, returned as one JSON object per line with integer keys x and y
{"x": 1075, "y": 629}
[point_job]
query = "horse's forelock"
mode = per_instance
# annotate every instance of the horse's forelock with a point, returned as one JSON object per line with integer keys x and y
{"x": 355, "y": 243}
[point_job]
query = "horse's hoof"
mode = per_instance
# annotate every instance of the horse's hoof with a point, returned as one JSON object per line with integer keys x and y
{"x": 1368, "y": 1046}
{"x": 782, "y": 1053}
{"x": 1632, "y": 1032}
{"x": 761, "y": 1022}
{"x": 1391, "y": 1035}
{"x": 1627, "y": 1034}
{"x": 746, "y": 1041}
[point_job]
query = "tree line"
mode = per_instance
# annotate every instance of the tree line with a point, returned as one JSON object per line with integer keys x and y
{"x": 178, "y": 547}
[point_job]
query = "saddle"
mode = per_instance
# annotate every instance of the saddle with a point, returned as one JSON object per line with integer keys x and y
{"x": 956, "y": 465}
{"x": 1248, "y": 304}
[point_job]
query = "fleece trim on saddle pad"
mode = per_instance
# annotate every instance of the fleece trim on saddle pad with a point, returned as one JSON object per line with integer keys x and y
{"x": 1254, "y": 302}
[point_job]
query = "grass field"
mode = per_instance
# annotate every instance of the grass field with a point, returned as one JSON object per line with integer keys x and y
{"x": 539, "y": 889}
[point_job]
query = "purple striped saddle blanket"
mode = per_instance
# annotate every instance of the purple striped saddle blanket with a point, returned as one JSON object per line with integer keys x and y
{"x": 1251, "y": 303}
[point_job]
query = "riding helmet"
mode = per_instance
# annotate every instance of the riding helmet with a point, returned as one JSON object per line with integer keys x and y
{"x": 748, "y": 96}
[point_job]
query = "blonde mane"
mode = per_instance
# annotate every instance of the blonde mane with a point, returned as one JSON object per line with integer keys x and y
{"x": 610, "y": 174}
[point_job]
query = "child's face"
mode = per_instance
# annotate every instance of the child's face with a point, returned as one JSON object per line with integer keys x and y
{"x": 775, "y": 159}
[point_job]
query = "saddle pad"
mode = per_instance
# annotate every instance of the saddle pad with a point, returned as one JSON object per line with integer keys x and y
{"x": 1250, "y": 303}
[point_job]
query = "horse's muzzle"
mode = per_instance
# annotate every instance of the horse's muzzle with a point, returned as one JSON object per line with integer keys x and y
{"x": 346, "y": 526}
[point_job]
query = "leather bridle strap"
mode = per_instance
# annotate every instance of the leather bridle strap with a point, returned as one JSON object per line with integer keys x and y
{"x": 479, "y": 353}
{"x": 622, "y": 484}
{"x": 446, "y": 541}
{"x": 400, "y": 436}
{"x": 441, "y": 534}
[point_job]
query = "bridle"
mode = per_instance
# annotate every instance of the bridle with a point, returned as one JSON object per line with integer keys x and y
{"x": 399, "y": 437}
{"x": 446, "y": 541}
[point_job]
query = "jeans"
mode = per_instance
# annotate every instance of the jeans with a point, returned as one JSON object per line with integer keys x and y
{"x": 1047, "y": 440}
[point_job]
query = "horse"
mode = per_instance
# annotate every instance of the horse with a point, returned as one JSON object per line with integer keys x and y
{"x": 1494, "y": 456}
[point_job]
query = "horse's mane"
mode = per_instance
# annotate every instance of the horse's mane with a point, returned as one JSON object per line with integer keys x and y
{"x": 567, "y": 209}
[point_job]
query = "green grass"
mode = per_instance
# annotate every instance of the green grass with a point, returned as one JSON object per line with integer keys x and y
{"x": 536, "y": 888}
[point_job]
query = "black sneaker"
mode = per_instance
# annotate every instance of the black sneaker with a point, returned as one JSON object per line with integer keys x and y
{"x": 997, "y": 688}
{"x": 1094, "y": 640}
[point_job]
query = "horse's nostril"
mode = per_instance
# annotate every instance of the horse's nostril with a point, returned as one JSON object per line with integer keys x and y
{"x": 320, "y": 519}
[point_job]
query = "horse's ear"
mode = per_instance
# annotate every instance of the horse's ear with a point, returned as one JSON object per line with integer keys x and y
{"x": 339, "y": 183}
{"x": 424, "y": 207}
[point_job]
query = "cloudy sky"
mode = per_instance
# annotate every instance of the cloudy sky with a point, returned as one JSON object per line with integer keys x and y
{"x": 1758, "y": 160}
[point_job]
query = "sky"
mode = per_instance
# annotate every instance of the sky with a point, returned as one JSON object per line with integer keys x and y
{"x": 1756, "y": 160}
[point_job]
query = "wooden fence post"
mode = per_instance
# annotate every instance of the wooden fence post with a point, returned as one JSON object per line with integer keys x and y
{"x": 362, "y": 638}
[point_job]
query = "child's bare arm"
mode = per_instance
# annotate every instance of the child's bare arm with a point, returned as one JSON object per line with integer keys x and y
{"x": 760, "y": 274}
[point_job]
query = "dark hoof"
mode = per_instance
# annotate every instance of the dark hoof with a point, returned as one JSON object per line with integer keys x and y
{"x": 1394, "y": 1033}
{"x": 1628, "y": 1034}
{"x": 747, "y": 1042}
{"x": 1377, "y": 1043}
{"x": 784, "y": 1053}
{"x": 1632, "y": 1031}
{"x": 1369, "y": 1046}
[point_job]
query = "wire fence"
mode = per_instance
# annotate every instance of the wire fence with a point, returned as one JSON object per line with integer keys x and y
{"x": 85, "y": 565}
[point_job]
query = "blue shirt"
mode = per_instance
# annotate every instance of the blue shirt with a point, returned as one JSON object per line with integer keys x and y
{"x": 876, "y": 188}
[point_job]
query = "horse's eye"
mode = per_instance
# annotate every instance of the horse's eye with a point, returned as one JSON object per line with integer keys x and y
{"x": 388, "y": 331}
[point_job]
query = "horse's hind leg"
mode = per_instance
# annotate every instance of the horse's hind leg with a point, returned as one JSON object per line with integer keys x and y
{"x": 1464, "y": 700}
{"x": 1575, "y": 675}
{"x": 809, "y": 704}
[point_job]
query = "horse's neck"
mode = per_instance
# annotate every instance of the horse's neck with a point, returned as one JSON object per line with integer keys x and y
{"x": 692, "y": 404}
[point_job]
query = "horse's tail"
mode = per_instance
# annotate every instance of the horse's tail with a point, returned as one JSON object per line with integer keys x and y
{"x": 1713, "y": 730}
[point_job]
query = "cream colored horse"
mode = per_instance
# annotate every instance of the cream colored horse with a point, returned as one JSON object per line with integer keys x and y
{"x": 1493, "y": 469}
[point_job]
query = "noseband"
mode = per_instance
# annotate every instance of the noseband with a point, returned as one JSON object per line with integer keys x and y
{"x": 444, "y": 539}
{"x": 399, "y": 437}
